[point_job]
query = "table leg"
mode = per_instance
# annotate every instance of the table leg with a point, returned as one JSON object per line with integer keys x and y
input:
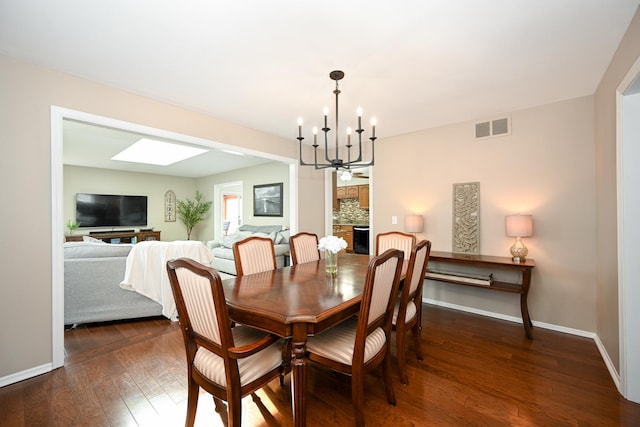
{"x": 299, "y": 374}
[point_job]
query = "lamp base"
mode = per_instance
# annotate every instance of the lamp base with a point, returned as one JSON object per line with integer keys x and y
{"x": 519, "y": 251}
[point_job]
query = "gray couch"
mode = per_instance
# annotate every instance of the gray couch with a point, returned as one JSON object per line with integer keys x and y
{"x": 92, "y": 292}
{"x": 222, "y": 249}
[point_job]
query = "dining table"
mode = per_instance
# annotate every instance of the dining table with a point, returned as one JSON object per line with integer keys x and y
{"x": 297, "y": 302}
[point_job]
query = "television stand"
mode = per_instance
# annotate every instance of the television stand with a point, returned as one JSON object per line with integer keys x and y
{"x": 126, "y": 236}
{"x": 91, "y": 233}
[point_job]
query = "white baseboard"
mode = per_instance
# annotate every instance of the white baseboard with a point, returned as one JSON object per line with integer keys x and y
{"x": 29, "y": 373}
{"x": 615, "y": 376}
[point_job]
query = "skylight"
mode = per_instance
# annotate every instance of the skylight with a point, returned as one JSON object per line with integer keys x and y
{"x": 157, "y": 153}
{"x": 235, "y": 153}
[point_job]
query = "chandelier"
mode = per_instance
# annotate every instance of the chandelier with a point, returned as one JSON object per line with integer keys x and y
{"x": 337, "y": 163}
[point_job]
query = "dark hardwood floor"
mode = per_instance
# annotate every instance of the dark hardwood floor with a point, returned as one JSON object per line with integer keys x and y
{"x": 477, "y": 371}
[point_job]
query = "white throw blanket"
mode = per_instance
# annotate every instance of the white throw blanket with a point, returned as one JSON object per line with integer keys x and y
{"x": 146, "y": 270}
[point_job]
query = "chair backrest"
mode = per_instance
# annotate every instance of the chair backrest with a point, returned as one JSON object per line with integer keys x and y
{"x": 304, "y": 248}
{"x": 418, "y": 261}
{"x": 204, "y": 320}
{"x": 254, "y": 254}
{"x": 383, "y": 275}
{"x": 395, "y": 240}
{"x": 378, "y": 298}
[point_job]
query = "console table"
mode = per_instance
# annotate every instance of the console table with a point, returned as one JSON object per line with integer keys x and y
{"x": 493, "y": 263}
{"x": 124, "y": 237}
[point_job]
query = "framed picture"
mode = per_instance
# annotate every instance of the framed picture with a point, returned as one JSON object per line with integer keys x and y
{"x": 169, "y": 206}
{"x": 267, "y": 200}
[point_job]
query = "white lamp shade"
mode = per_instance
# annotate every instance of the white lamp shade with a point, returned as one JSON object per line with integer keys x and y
{"x": 519, "y": 225}
{"x": 413, "y": 223}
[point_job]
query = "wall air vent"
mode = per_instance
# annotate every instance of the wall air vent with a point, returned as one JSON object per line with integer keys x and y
{"x": 495, "y": 127}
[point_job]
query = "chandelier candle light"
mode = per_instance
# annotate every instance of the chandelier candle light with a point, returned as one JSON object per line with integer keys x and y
{"x": 337, "y": 163}
{"x": 332, "y": 245}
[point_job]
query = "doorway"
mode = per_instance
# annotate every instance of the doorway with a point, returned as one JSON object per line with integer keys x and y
{"x": 232, "y": 213}
{"x": 58, "y": 116}
{"x": 228, "y": 217}
{"x": 351, "y": 201}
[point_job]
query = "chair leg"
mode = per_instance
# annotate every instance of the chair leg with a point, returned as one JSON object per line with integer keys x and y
{"x": 286, "y": 360}
{"x": 221, "y": 409}
{"x": 235, "y": 412}
{"x": 400, "y": 332}
{"x": 388, "y": 380}
{"x": 357, "y": 398}
{"x": 192, "y": 402}
{"x": 417, "y": 332}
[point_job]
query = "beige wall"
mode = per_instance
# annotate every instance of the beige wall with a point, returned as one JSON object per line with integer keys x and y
{"x": 28, "y": 92}
{"x": 544, "y": 168}
{"x": 607, "y": 326}
{"x": 265, "y": 174}
{"x": 103, "y": 181}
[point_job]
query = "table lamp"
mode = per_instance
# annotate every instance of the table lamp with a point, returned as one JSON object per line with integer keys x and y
{"x": 413, "y": 224}
{"x": 519, "y": 226}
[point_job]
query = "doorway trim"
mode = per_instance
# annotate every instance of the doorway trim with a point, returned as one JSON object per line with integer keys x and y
{"x": 219, "y": 190}
{"x": 628, "y": 272}
{"x": 58, "y": 115}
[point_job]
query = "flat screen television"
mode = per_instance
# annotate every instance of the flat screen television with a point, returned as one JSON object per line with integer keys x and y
{"x": 110, "y": 210}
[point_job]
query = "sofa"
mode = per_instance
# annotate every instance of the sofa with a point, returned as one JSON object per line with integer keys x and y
{"x": 92, "y": 293}
{"x": 222, "y": 249}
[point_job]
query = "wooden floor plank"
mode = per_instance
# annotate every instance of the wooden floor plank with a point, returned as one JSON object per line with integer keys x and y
{"x": 12, "y": 407}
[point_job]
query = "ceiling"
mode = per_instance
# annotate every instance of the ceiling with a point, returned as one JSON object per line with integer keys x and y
{"x": 93, "y": 146}
{"x": 413, "y": 64}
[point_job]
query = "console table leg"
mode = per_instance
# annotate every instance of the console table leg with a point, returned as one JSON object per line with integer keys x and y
{"x": 524, "y": 308}
{"x": 526, "y": 320}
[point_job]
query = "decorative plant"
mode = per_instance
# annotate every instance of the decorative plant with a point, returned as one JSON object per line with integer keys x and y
{"x": 191, "y": 212}
{"x": 72, "y": 226}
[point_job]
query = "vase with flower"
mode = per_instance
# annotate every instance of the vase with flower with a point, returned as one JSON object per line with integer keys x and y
{"x": 331, "y": 245}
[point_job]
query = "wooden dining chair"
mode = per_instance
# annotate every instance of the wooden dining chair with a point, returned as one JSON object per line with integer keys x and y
{"x": 360, "y": 344}
{"x": 407, "y": 314}
{"x": 229, "y": 363}
{"x": 254, "y": 254}
{"x": 304, "y": 248}
{"x": 395, "y": 240}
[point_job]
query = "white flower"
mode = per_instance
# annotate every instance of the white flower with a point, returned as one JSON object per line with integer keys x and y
{"x": 332, "y": 244}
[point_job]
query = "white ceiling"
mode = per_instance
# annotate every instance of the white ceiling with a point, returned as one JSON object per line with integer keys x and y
{"x": 93, "y": 146}
{"x": 413, "y": 64}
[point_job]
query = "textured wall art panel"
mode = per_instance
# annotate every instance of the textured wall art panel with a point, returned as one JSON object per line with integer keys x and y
{"x": 466, "y": 218}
